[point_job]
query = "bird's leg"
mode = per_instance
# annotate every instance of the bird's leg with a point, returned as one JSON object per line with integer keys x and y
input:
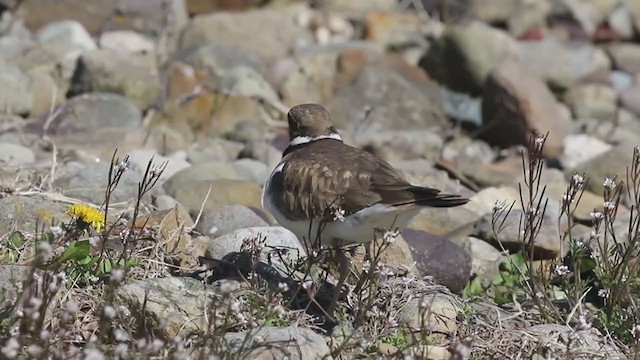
{"x": 344, "y": 266}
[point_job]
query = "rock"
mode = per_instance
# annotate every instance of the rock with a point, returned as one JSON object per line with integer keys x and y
{"x": 281, "y": 249}
{"x": 356, "y": 9}
{"x": 265, "y": 33}
{"x": 11, "y": 281}
{"x": 44, "y": 90}
{"x": 592, "y": 101}
{"x": 11, "y": 46}
{"x": 584, "y": 341}
{"x": 620, "y": 80}
{"x": 547, "y": 242}
{"x": 198, "y": 7}
{"x": 438, "y": 257}
{"x": 245, "y": 81}
{"x": 15, "y": 154}
{"x": 214, "y": 149}
{"x": 579, "y": 148}
{"x": 569, "y": 63}
{"x": 273, "y": 236}
{"x": 485, "y": 259}
{"x": 16, "y": 94}
{"x": 23, "y": 213}
{"x": 88, "y": 182}
{"x": 252, "y": 170}
{"x": 437, "y": 316}
{"x": 211, "y": 170}
{"x": 528, "y": 16}
{"x": 484, "y": 201}
{"x": 399, "y": 29}
{"x": 173, "y": 306}
{"x": 227, "y": 219}
{"x": 611, "y": 163}
{"x": 630, "y": 99}
{"x": 114, "y": 72}
{"x": 625, "y": 57}
{"x": 164, "y": 202}
{"x": 57, "y": 60}
{"x": 308, "y": 79}
{"x": 140, "y": 15}
{"x": 127, "y": 42}
{"x": 263, "y": 152}
{"x": 292, "y": 342}
{"x": 140, "y": 160}
{"x": 516, "y": 103}
{"x": 462, "y": 107}
{"x": 405, "y": 99}
{"x": 465, "y": 55}
{"x": 246, "y": 131}
{"x": 397, "y": 255}
{"x": 92, "y": 114}
{"x": 490, "y": 173}
{"x": 400, "y": 145}
{"x": 66, "y": 32}
{"x": 620, "y": 20}
{"x": 223, "y": 192}
{"x": 217, "y": 58}
{"x": 634, "y": 8}
{"x": 443, "y": 221}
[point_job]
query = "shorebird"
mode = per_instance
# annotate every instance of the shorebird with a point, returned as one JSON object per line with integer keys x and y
{"x": 335, "y": 195}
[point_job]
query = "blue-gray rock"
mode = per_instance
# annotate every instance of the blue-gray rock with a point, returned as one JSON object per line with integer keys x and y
{"x": 437, "y": 256}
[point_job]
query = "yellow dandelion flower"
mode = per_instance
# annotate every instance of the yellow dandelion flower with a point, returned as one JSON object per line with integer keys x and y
{"x": 87, "y": 216}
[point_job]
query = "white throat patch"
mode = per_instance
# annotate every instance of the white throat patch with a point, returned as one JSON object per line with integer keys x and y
{"x": 299, "y": 140}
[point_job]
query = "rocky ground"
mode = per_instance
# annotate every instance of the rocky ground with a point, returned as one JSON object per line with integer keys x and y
{"x": 446, "y": 91}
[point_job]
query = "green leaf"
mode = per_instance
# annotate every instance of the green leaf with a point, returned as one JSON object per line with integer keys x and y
{"x": 16, "y": 238}
{"x": 104, "y": 267}
{"x": 77, "y": 250}
{"x": 48, "y": 237}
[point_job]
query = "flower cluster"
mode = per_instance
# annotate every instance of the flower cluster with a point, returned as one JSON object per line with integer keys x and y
{"x": 86, "y": 216}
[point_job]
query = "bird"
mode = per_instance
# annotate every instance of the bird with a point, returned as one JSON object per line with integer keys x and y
{"x": 334, "y": 195}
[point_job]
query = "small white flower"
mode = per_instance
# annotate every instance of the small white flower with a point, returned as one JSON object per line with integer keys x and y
{"x": 567, "y": 199}
{"x": 366, "y": 265}
{"x": 307, "y": 285}
{"x": 609, "y": 205}
{"x": 57, "y": 231}
{"x": 596, "y": 216}
{"x": 10, "y": 349}
{"x": 235, "y": 306}
{"x": 109, "y": 312}
{"x": 120, "y": 335}
{"x": 635, "y": 332}
{"x": 538, "y": 143}
{"x": 578, "y": 180}
{"x": 117, "y": 275}
{"x": 390, "y": 236}
{"x": 583, "y": 324}
{"x": 609, "y": 183}
{"x": 604, "y": 293}
{"x": 283, "y": 287}
{"x": 44, "y": 251}
{"x": 227, "y": 287}
{"x": 338, "y": 214}
{"x": 561, "y": 270}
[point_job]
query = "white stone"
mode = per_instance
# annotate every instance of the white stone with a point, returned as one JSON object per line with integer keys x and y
{"x": 66, "y": 31}
{"x": 579, "y": 148}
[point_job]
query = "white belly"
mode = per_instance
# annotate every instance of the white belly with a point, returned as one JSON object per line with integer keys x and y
{"x": 357, "y": 228}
